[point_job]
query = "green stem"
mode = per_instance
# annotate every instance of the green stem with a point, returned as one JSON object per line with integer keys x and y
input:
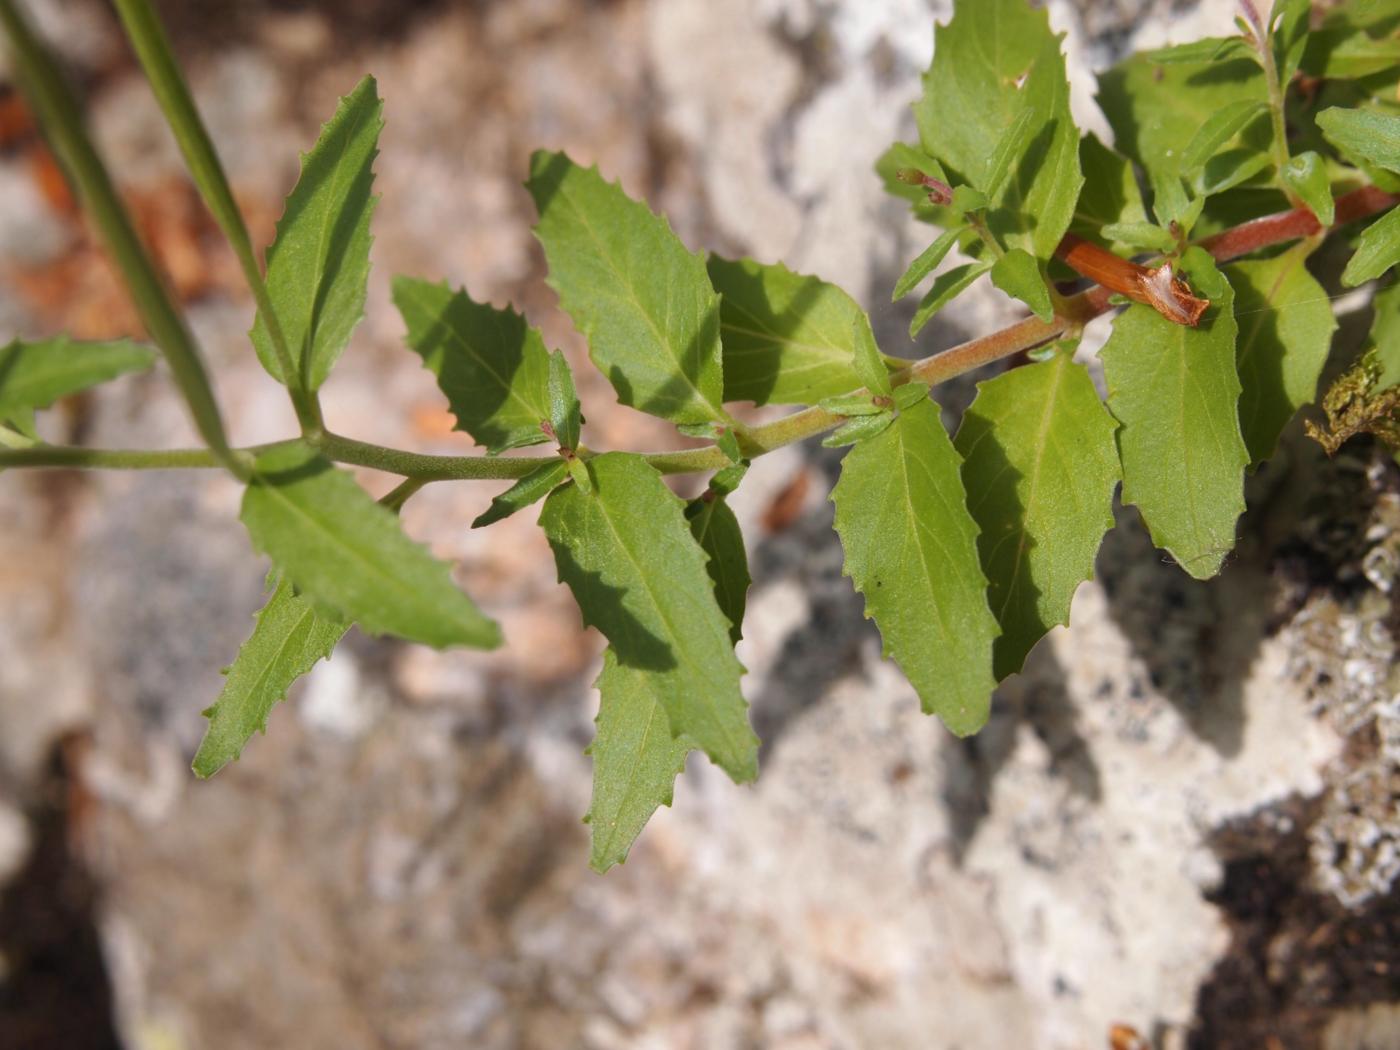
{"x": 153, "y": 49}
{"x": 63, "y": 125}
{"x": 1264, "y": 44}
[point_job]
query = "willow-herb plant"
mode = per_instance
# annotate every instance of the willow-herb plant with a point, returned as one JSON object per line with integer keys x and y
{"x": 1233, "y": 160}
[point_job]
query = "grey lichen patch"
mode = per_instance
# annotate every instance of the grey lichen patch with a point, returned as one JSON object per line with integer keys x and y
{"x": 1346, "y": 653}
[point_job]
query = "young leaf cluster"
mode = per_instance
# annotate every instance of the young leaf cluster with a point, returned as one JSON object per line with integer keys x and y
{"x": 1232, "y": 160}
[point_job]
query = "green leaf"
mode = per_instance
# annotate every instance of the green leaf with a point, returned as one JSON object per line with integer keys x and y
{"x": 1227, "y": 170}
{"x": 533, "y": 487}
{"x": 947, "y": 286}
{"x": 348, "y": 555}
{"x": 1286, "y": 328}
{"x": 1175, "y": 391}
{"x": 635, "y": 760}
{"x": 1364, "y": 133}
{"x": 909, "y": 395}
{"x": 1219, "y": 128}
{"x": 1110, "y": 196}
{"x": 1355, "y": 40}
{"x": 994, "y": 65}
{"x": 1040, "y": 466}
{"x": 642, "y": 300}
{"x": 1018, "y": 275}
{"x": 1288, "y": 22}
{"x": 716, "y": 530}
{"x": 1207, "y": 49}
{"x": 1306, "y": 175}
{"x": 869, "y": 363}
{"x": 491, "y": 365}
{"x": 858, "y": 429}
{"x": 966, "y": 199}
{"x": 288, "y": 639}
{"x": 565, "y": 413}
{"x": 36, "y": 374}
{"x": 1156, "y": 108}
{"x": 911, "y": 549}
{"x": 628, "y": 555}
{"x": 851, "y": 405}
{"x": 318, "y": 264}
{"x": 787, "y": 336}
{"x": 927, "y": 262}
{"x": 1377, "y": 250}
{"x": 1141, "y": 235}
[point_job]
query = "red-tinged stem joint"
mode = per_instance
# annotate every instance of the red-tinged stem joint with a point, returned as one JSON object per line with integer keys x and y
{"x": 1158, "y": 287}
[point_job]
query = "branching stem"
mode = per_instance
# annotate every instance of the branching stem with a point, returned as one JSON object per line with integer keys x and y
{"x": 1028, "y": 334}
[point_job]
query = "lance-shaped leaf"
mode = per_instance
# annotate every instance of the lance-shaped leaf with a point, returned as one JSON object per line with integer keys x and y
{"x": 995, "y": 66}
{"x": 1286, "y": 327}
{"x": 1176, "y": 393}
{"x": 491, "y": 365}
{"x": 947, "y": 286}
{"x": 1306, "y": 175}
{"x": 787, "y": 336}
{"x": 926, "y": 262}
{"x": 626, "y": 551}
{"x": 287, "y": 640}
{"x": 635, "y": 760}
{"x": 636, "y": 293}
{"x": 716, "y": 529}
{"x": 533, "y": 487}
{"x": 1364, "y": 133}
{"x": 565, "y": 413}
{"x": 1040, "y": 465}
{"x": 348, "y": 556}
{"x": 911, "y": 549}
{"x": 1354, "y": 40}
{"x": 869, "y": 362}
{"x": 318, "y": 264}
{"x": 36, "y": 374}
{"x": 1377, "y": 250}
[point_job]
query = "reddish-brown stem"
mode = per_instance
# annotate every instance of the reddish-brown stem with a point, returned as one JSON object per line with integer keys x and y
{"x": 1157, "y": 287}
{"x": 1292, "y": 225}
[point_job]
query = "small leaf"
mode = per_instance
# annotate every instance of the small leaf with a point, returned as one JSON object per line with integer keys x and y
{"x": 491, "y": 365}
{"x": 288, "y": 639}
{"x": 628, "y": 555}
{"x": 911, "y": 550}
{"x": 640, "y": 298}
{"x": 635, "y": 760}
{"x": 1018, "y": 275}
{"x": 869, "y": 363}
{"x": 36, "y": 374}
{"x": 716, "y": 530}
{"x": 787, "y": 336}
{"x": 1364, "y": 133}
{"x": 1008, "y": 150}
{"x": 534, "y": 486}
{"x": 1219, "y": 128}
{"x": 564, "y": 413}
{"x": 1385, "y": 333}
{"x": 1227, "y": 170}
{"x": 858, "y": 429}
{"x": 1377, "y": 250}
{"x": 1176, "y": 392}
{"x": 1288, "y": 23}
{"x": 318, "y": 264}
{"x": 927, "y": 262}
{"x": 851, "y": 405}
{"x": 947, "y": 286}
{"x": 1355, "y": 40}
{"x": 1040, "y": 466}
{"x": 348, "y": 556}
{"x": 1286, "y": 328}
{"x": 966, "y": 199}
{"x": 905, "y": 156}
{"x": 1306, "y": 175}
{"x": 726, "y": 480}
{"x": 909, "y": 395}
{"x": 1208, "y": 49}
{"x": 1144, "y": 235}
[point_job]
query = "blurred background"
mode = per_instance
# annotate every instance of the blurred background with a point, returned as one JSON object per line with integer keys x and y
{"x": 1182, "y": 820}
